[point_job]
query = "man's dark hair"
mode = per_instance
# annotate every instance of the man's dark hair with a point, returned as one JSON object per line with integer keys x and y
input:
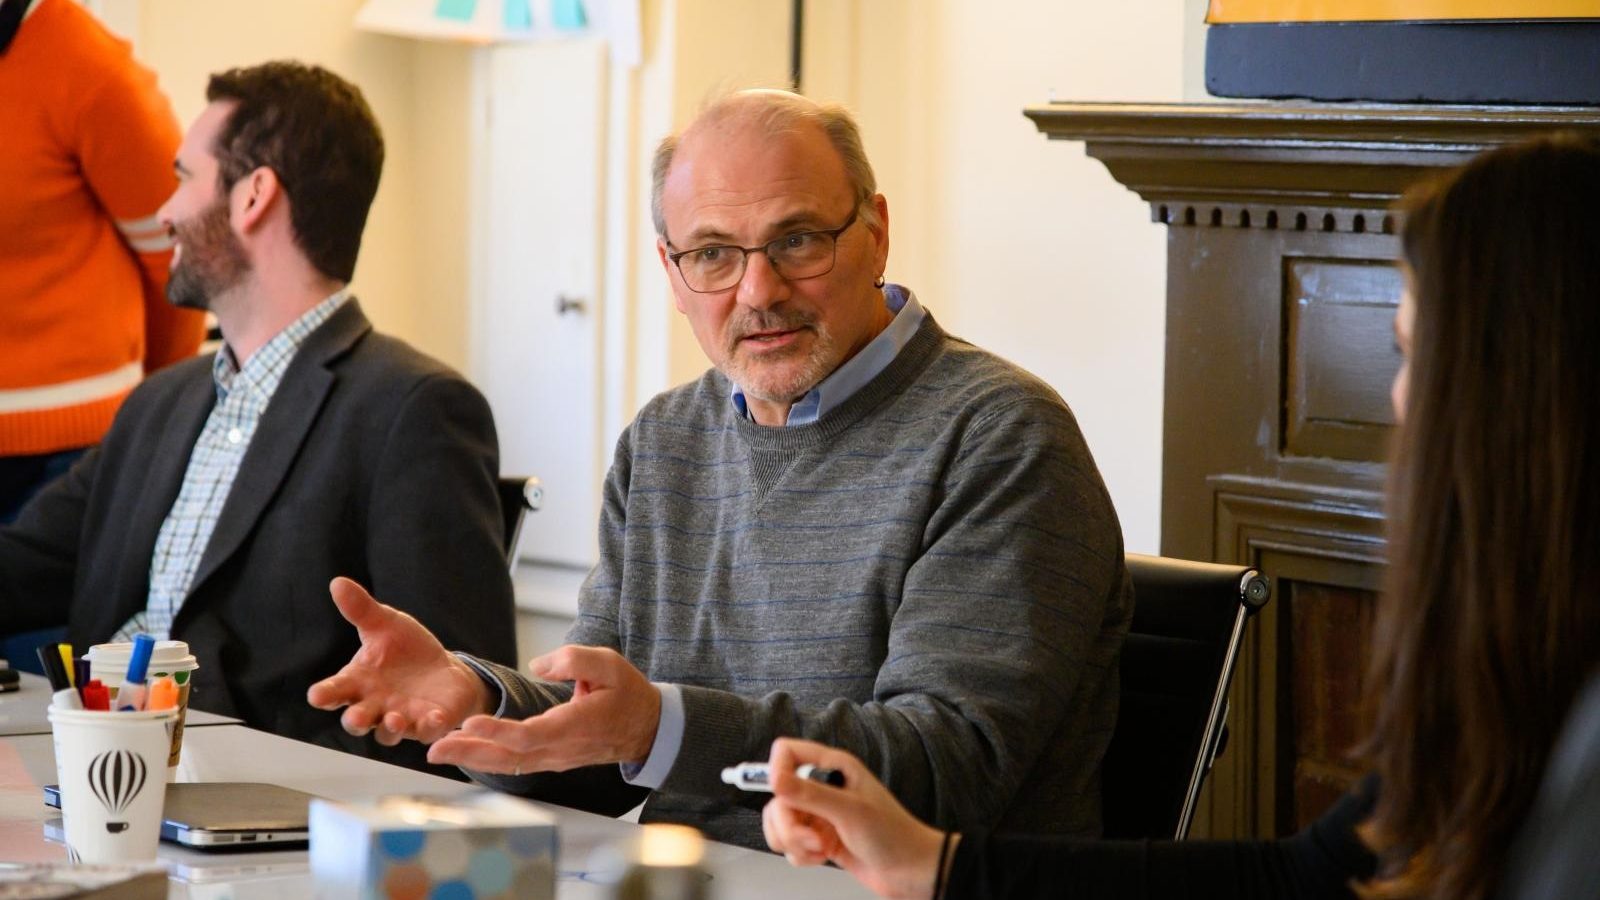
{"x": 316, "y": 131}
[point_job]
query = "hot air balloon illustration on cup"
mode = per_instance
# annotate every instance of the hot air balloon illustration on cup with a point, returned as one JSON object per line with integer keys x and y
{"x": 116, "y": 777}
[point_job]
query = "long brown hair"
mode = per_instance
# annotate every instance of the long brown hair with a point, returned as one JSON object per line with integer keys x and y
{"x": 1488, "y": 623}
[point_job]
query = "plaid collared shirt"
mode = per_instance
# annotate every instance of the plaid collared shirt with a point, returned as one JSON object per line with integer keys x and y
{"x": 243, "y": 393}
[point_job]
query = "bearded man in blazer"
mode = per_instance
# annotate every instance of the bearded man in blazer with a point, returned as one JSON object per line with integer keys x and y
{"x": 232, "y": 488}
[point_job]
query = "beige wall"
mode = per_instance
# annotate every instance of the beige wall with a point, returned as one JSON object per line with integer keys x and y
{"x": 436, "y": 228}
{"x": 1024, "y": 246}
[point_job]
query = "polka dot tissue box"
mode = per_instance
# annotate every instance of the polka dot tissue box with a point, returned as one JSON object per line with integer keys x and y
{"x": 480, "y": 846}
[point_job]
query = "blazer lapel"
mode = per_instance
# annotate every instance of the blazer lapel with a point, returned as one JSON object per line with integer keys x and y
{"x": 279, "y": 436}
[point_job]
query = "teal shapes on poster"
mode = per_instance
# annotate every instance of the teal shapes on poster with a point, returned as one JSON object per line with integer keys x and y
{"x": 568, "y": 14}
{"x": 517, "y": 15}
{"x": 459, "y": 10}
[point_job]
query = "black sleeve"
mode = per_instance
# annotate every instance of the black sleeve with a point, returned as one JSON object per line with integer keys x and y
{"x": 435, "y": 537}
{"x": 1320, "y": 862}
{"x": 39, "y": 552}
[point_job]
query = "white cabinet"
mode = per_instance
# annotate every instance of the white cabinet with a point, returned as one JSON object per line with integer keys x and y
{"x": 538, "y": 190}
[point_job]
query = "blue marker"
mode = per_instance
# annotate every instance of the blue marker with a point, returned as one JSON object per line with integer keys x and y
{"x": 130, "y": 697}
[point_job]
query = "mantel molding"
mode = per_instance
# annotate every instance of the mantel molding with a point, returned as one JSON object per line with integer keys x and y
{"x": 1305, "y": 166}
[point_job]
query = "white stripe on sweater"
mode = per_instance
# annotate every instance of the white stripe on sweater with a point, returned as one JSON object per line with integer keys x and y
{"x": 72, "y": 393}
{"x": 139, "y": 226}
{"x": 153, "y": 244}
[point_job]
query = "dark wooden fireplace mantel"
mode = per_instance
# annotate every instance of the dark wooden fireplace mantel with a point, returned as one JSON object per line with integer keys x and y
{"x": 1273, "y": 154}
{"x": 1281, "y": 289}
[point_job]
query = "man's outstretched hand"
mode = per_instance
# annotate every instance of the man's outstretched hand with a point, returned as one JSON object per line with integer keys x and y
{"x": 402, "y": 683}
{"x": 612, "y": 717}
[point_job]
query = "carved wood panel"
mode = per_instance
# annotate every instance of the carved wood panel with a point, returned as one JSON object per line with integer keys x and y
{"x": 1329, "y": 632}
{"x": 1339, "y": 357}
{"x": 1304, "y": 537}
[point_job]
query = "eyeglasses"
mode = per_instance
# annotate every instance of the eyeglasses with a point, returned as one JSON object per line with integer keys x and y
{"x": 804, "y": 254}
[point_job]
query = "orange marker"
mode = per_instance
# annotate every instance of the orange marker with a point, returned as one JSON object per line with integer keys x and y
{"x": 163, "y": 694}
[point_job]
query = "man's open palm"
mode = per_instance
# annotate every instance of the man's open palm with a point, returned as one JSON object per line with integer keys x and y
{"x": 402, "y": 683}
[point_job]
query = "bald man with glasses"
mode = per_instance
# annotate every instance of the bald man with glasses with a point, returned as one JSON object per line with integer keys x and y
{"x": 854, "y": 528}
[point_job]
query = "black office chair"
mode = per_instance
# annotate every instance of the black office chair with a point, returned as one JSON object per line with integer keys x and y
{"x": 1188, "y": 622}
{"x": 518, "y": 497}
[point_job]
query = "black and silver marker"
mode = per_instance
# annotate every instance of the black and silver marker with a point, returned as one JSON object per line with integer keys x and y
{"x": 756, "y": 776}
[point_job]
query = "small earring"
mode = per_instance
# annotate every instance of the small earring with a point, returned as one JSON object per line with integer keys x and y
{"x": 877, "y": 282}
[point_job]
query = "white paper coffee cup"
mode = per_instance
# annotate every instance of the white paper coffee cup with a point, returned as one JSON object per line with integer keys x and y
{"x": 109, "y": 663}
{"x": 113, "y": 775}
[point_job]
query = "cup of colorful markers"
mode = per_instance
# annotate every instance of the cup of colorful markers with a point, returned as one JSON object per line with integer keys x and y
{"x": 111, "y": 758}
{"x": 110, "y": 663}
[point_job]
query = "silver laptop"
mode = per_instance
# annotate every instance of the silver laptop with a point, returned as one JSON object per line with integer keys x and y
{"x": 229, "y": 815}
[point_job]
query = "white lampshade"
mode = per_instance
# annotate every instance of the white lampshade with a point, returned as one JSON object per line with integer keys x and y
{"x": 475, "y": 21}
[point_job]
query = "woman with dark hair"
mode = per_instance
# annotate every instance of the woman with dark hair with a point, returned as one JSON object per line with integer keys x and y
{"x": 1488, "y": 628}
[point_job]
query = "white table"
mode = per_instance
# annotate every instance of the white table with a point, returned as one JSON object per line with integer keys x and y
{"x": 22, "y": 711}
{"x": 237, "y": 753}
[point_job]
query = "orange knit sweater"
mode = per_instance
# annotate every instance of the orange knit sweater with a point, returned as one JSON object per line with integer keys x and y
{"x": 86, "y": 149}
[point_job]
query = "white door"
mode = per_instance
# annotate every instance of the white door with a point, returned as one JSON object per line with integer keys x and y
{"x": 536, "y": 341}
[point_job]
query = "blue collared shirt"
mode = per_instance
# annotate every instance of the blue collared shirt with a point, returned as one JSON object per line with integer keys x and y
{"x": 839, "y": 386}
{"x": 856, "y": 371}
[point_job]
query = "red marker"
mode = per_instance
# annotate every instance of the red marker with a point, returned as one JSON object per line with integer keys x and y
{"x": 96, "y": 696}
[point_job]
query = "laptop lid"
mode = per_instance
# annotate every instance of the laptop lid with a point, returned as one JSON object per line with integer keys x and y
{"x": 230, "y": 815}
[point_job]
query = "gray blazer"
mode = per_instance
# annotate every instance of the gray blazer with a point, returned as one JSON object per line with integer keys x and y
{"x": 372, "y": 461}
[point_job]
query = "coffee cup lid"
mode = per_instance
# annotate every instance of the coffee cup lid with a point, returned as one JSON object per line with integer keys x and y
{"x": 167, "y": 655}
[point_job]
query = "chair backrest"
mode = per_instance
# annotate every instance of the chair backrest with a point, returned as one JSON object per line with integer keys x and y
{"x": 518, "y": 497}
{"x": 1188, "y": 623}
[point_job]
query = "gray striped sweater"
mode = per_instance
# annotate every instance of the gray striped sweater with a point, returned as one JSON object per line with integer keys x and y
{"x": 929, "y": 576}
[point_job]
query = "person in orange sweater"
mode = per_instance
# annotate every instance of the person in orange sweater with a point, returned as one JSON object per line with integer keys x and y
{"x": 85, "y": 162}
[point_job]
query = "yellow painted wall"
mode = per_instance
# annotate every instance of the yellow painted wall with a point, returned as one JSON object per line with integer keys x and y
{"x": 186, "y": 40}
{"x": 439, "y": 217}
